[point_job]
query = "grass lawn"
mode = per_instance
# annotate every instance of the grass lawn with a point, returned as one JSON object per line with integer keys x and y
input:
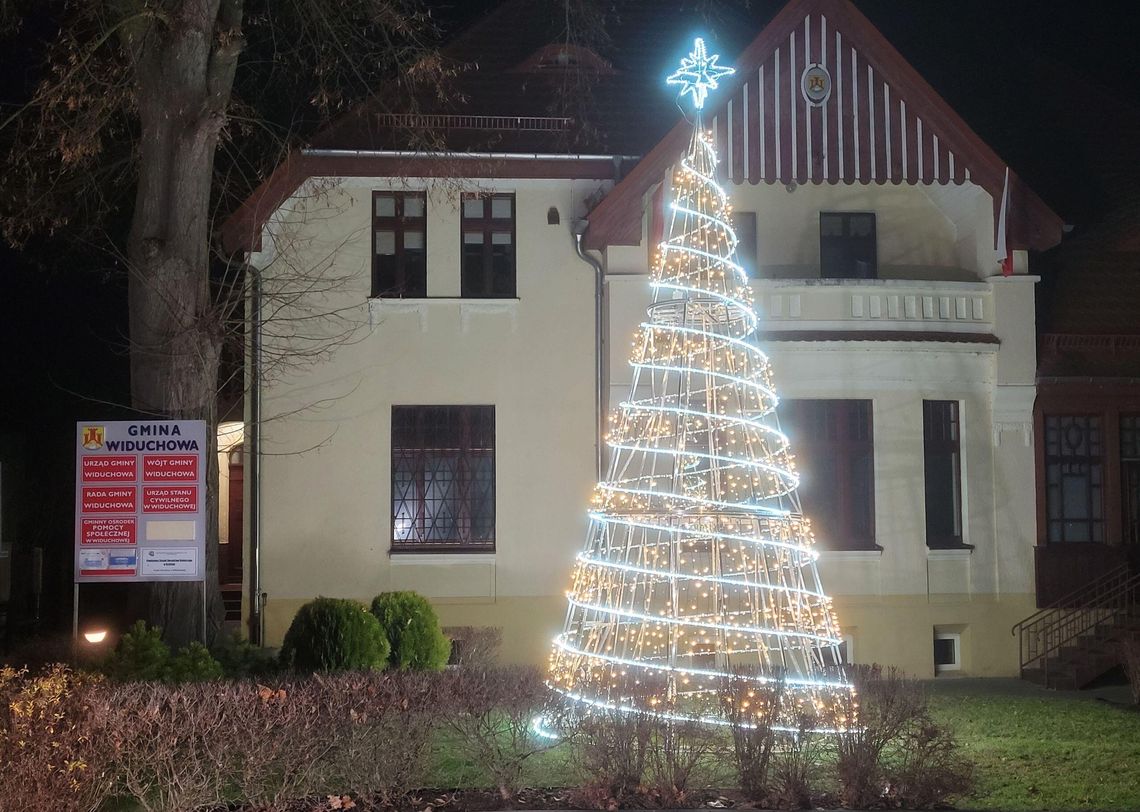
{"x": 1038, "y": 749}
{"x": 1034, "y": 749}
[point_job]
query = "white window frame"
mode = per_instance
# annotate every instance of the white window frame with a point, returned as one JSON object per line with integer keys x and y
{"x": 957, "y": 664}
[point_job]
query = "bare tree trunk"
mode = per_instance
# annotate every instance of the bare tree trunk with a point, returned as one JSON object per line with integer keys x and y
{"x": 184, "y": 61}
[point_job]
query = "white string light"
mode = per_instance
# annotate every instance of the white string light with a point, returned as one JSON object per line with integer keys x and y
{"x": 699, "y": 572}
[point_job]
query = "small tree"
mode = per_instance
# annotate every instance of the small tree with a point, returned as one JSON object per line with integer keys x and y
{"x": 334, "y": 634}
{"x": 412, "y": 628}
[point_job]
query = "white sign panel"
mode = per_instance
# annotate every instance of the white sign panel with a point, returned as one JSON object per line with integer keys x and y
{"x": 140, "y": 500}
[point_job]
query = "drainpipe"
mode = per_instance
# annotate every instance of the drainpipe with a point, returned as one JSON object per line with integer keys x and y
{"x": 257, "y": 615}
{"x": 580, "y": 227}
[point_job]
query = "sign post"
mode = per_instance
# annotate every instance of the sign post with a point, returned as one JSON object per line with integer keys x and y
{"x": 140, "y": 503}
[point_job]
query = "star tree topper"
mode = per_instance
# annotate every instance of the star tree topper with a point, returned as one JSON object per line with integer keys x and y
{"x": 698, "y": 74}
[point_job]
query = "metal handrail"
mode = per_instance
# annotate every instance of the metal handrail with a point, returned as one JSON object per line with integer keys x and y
{"x": 1054, "y": 627}
{"x": 1071, "y": 599}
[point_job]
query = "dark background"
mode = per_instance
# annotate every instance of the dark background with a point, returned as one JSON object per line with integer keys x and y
{"x": 1052, "y": 87}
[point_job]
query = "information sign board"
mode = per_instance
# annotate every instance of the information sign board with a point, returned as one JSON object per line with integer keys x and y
{"x": 140, "y": 512}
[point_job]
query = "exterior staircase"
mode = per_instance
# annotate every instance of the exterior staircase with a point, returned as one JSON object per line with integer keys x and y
{"x": 1076, "y": 639}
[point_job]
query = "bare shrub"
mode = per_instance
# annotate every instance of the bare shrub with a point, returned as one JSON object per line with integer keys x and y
{"x": 888, "y": 704}
{"x": 491, "y": 713}
{"x": 282, "y": 737}
{"x": 1130, "y": 658}
{"x": 170, "y": 743}
{"x": 798, "y": 755}
{"x": 476, "y": 646}
{"x": 385, "y": 725}
{"x": 677, "y": 750}
{"x": 52, "y": 745}
{"x": 931, "y": 768}
{"x": 610, "y": 750}
{"x": 750, "y": 706}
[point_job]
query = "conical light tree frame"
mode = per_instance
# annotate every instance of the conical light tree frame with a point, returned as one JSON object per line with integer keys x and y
{"x": 698, "y": 586}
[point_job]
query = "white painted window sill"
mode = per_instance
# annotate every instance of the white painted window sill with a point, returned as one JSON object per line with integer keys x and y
{"x": 398, "y": 559}
{"x": 394, "y": 301}
{"x": 378, "y": 308}
{"x": 850, "y": 555}
{"x": 955, "y": 552}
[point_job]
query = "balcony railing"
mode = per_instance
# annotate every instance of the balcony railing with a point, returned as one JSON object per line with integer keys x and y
{"x": 891, "y": 305}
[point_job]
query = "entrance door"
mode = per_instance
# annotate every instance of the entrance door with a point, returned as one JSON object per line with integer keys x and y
{"x": 230, "y": 560}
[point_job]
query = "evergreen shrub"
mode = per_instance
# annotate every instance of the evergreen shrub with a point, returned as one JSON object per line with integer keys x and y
{"x": 334, "y": 634}
{"x": 140, "y": 656}
{"x": 412, "y": 628}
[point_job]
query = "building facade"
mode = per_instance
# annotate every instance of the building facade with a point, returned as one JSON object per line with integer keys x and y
{"x": 440, "y": 334}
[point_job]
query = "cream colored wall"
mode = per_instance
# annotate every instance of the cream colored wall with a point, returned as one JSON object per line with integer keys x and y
{"x": 327, "y": 469}
{"x": 893, "y": 601}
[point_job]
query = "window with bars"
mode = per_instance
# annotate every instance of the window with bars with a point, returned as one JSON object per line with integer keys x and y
{"x": 942, "y": 446}
{"x": 443, "y": 478}
{"x": 1074, "y": 478}
{"x": 488, "y": 246}
{"x": 847, "y": 245}
{"x": 834, "y": 443}
{"x": 399, "y": 244}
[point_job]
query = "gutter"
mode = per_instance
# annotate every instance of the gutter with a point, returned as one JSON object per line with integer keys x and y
{"x": 579, "y": 232}
{"x": 411, "y": 153}
{"x": 256, "y": 598}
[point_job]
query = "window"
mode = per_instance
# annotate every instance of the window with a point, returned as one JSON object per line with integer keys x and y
{"x": 947, "y": 652}
{"x": 834, "y": 443}
{"x": 399, "y": 244}
{"x": 488, "y": 246}
{"x": 1130, "y": 479}
{"x": 847, "y": 245}
{"x": 842, "y": 654}
{"x": 443, "y": 478}
{"x": 744, "y": 224}
{"x": 943, "y": 452}
{"x": 1074, "y": 469}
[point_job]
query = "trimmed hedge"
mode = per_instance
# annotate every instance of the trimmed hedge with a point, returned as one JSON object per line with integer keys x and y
{"x": 412, "y": 628}
{"x": 334, "y": 634}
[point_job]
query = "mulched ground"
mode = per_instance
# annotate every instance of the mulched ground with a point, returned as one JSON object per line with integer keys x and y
{"x": 476, "y": 800}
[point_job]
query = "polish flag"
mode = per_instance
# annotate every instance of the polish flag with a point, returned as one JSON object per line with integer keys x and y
{"x": 1004, "y": 252}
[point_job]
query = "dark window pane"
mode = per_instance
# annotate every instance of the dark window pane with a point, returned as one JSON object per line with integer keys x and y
{"x": 834, "y": 444}
{"x": 488, "y": 268}
{"x": 945, "y": 651}
{"x": 942, "y": 465}
{"x": 847, "y": 245}
{"x": 1074, "y": 470}
{"x": 443, "y": 478}
{"x": 399, "y": 244}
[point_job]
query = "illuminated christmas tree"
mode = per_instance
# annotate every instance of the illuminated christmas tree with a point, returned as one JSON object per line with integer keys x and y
{"x": 699, "y": 574}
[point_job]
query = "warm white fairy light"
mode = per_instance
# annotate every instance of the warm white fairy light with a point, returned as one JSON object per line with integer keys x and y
{"x": 700, "y": 570}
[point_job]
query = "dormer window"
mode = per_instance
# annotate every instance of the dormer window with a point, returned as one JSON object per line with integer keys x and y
{"x": 560, "y": 56}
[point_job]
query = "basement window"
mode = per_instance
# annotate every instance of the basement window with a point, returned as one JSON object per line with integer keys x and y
{"x": 947, "y": 652}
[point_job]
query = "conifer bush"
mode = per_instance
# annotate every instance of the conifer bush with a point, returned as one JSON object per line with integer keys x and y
{"x": 334, "y": 634}
{"x": 412, "y": 628}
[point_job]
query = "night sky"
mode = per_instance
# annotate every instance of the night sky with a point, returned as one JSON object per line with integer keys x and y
{"x": 1053, "y": 87}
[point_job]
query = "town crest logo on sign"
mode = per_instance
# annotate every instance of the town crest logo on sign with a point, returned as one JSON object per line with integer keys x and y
{"x": 92, "y": 437}
{"x": 815, "y": 84}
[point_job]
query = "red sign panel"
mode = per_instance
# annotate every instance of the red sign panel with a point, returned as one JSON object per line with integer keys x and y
{"x": 112, "y": 530}
{"x": 170, "y": 499}
{"x": 110, "y": 468}
{"x": 170, "y": 468}
{"x": 109, "y": 500}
